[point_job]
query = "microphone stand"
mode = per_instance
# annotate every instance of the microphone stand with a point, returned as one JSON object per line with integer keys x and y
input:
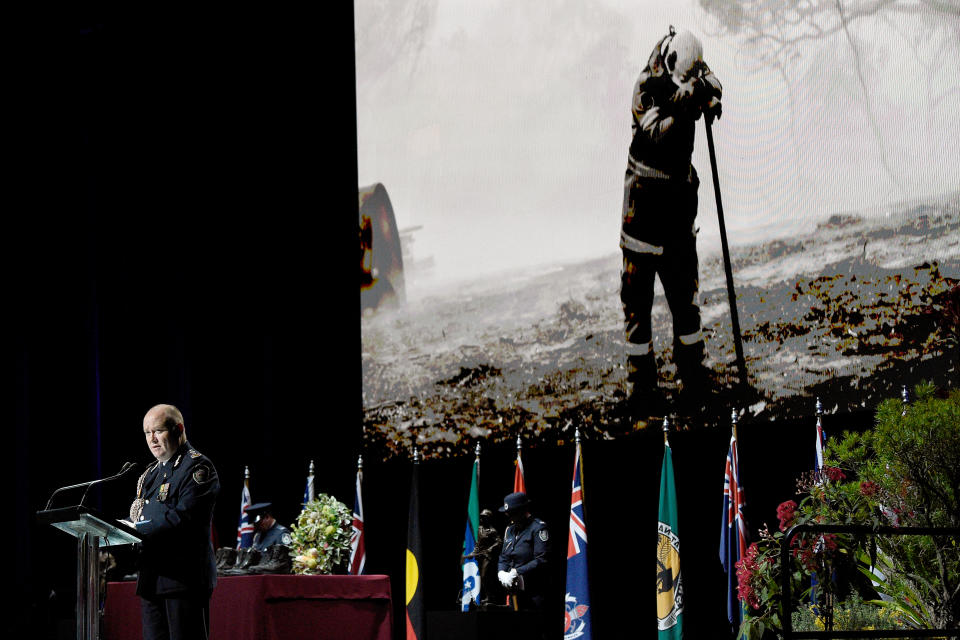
{"x": 123, "y": 471}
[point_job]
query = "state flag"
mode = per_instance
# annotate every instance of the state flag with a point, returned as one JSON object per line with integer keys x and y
{"x": 669, "y": 584}
{"x": 471, "y": 568}
{"x": 577, "y": 616}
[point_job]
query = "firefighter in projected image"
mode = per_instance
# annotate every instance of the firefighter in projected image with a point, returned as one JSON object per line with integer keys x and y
{"x": 658, "y": 236}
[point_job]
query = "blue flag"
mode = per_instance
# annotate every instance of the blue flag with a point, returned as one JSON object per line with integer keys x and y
{"x": 733, "y": 532}
{"x": 576, "y": 623}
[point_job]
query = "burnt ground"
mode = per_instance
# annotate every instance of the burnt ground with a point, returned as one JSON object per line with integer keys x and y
{"x": 848, "y": 313}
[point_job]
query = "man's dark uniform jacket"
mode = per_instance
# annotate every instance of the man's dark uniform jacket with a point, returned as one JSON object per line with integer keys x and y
{"x": 525, "y": 548}
{"x": 277, "y": 534}
{"x": 176, "y": 555}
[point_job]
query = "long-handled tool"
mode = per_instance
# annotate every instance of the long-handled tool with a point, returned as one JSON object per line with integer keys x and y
{"x": 731, "y": 294}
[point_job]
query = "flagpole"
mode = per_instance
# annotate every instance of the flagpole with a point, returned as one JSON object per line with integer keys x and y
{"x": 358, "y": 550}
{"x": 666, "y": 430}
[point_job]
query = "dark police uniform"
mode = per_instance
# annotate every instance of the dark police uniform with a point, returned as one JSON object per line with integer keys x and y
{"x": 657, "y": 235}
{"x": 525, "y": 548}
{"x": 177, "y": 568}
{"x": 277, "y": 534}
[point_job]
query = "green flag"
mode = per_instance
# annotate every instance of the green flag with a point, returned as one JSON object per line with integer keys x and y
{"x": 669, "y": 587}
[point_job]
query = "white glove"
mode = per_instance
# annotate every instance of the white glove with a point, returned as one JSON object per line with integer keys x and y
{"x": 516, "y": 580}
{"x": 505, "y": 578}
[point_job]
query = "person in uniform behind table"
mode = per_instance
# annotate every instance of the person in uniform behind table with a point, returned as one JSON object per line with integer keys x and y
{"x": 173, "y": 511}
{"x": 523, "y": 557}
{"x": 267, "y": 531}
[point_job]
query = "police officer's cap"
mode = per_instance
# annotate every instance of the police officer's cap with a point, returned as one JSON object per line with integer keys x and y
{"x": 515, "y": 502}
{"x": 259, "y": 509}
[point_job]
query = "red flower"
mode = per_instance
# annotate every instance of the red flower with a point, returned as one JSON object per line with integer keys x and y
{"x": 746, "y": 570}
{"x": 868, "y": 488}
{"x": 786, "y": 512}
{"x": 834, "y": 474}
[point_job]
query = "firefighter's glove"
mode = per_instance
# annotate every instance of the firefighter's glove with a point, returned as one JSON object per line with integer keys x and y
{"x": 713, "y": 109}
{"x": 690, "y": 98}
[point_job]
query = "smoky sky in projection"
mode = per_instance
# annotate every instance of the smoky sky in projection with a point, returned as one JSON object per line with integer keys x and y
{"x": 500, "y": 131}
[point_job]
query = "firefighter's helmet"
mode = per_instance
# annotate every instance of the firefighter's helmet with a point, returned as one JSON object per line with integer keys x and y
{"x": 682, "y": 55}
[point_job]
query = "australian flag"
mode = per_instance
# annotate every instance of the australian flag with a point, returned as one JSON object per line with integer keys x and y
{"x": 577, "y": 605}
{"x": 245, "y": 527}
{"x": 358, "y": 550}
{"x": 733, "y": 532}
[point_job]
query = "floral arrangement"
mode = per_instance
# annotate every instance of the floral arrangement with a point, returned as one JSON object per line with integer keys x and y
{"x": 321, "y": 537}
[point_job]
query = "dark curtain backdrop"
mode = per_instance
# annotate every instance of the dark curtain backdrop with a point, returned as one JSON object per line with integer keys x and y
{"x": 183, "y": 230}
{"x": 180, "y": 227}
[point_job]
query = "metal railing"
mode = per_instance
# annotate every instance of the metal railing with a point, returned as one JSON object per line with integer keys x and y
{"x": 785, "y": 574}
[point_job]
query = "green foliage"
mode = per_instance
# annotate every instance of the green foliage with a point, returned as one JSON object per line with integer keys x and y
{"x": 852, "y": 615}
{"x": 911, "y": 461}
{"x": 321, "y": 537}
{"x": 904, "y": 472}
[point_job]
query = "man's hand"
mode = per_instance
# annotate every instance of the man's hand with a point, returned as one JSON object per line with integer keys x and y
{"x": 508, "y": 578}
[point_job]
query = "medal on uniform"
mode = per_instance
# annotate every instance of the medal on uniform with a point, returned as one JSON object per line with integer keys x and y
{"x": 136, "y": 507}
{"x": 164, "y": 489}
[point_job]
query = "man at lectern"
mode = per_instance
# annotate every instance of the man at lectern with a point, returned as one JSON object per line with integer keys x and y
{"x": 173, "y": 512}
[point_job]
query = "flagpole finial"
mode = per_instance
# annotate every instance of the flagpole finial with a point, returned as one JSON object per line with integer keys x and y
{"x": 905, "y": 399}
{"x": 416, "y": 455}
{"x": 666, "y": 430}
{"x": 576, "y": 435}
{"x": 733, "y": 416}
{"x": 476, "y": 450}
{"x": 359, "y": 462}
{"x": 819, "y": 408}
{"x": 518, "y": 442}
{"x": 311, "y": 467}
{"x": 246, "y": 472}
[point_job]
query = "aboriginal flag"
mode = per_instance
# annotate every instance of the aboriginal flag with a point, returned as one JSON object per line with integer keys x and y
{"x": 416, "y": 613}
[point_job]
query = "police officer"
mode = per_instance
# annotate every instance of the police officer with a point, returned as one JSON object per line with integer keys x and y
{"x": 267, "y": 531}
{"x": 523, "y": 557}
{"x": 658, "y": 236}
{"x": 173, "y": 512}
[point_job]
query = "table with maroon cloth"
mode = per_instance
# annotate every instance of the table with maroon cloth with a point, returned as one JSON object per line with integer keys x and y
{"x": 274, "y": 607}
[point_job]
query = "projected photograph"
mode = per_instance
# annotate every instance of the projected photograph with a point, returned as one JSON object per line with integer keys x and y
{"x": 547, "y": 191}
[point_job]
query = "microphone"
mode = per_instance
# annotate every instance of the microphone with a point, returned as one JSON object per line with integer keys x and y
{"x": 124, "y": 470}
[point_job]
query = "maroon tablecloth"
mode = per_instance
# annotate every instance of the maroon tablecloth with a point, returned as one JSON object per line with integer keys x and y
{"x": 271, "y": 607}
